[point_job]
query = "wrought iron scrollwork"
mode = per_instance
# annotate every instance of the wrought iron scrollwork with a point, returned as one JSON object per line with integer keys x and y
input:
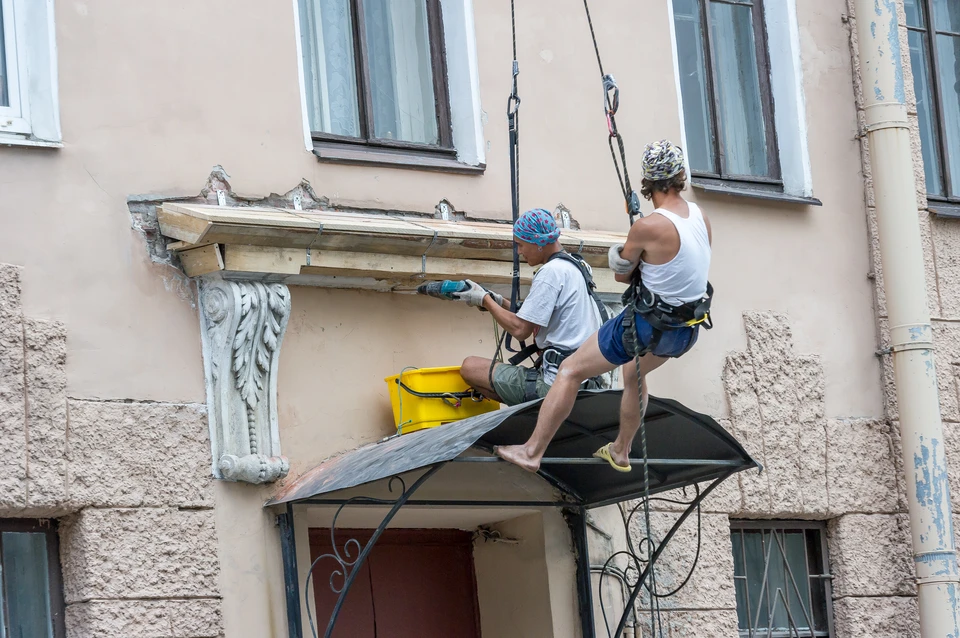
{"x": 349, "y": 565}
{"x": 643, "y": 556}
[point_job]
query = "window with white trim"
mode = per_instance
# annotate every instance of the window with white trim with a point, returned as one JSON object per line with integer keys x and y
{"x": 740, "y": 83}
{"x": 29, "y": 112}
{"x": 391, "y": 82}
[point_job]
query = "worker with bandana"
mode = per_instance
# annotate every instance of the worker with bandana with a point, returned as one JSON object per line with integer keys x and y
{"x": 665, "y": 259}
{"x": 559, "y": 312}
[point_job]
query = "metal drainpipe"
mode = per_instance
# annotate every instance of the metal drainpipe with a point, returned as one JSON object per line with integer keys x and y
{"x": 924, "y": 460}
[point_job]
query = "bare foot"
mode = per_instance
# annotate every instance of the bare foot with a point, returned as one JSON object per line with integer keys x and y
{"x": 517, "y": 455}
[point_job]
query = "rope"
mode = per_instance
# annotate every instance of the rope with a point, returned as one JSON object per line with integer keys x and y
{"x": 513, "y": 127}
{"x": 611, "y": 103}
{"x": 654, "y": 603}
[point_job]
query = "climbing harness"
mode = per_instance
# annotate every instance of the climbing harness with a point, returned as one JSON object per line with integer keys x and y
{"x": 639, "y": 300}
{"x": 611, "y": 103}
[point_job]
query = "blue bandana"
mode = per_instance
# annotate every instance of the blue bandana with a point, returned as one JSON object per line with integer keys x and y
{"x": 536, "y": 226}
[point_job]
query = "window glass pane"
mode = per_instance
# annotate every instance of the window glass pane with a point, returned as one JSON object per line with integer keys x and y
{"x": 947, "y": 15}
{"x": 329, "y": 66}
{"x": 817, "y": 586}
{"x": 697, "y": 106}
{"x": 27, "y": 584}
{"x": 797, "y": 579}
{"x": 948, "y": 49}
{"x": 755, "y": 561}
{"x": 4, "y": 98}
{"x": 742, "y": 131}
{"x": 401, "y": 74}
{"x": 914, "y": 10}
{"x": 926, "y": 111}
{"x": 740, "y": 579}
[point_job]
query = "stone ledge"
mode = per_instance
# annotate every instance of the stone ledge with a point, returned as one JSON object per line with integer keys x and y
{"x": 198, "y": 618}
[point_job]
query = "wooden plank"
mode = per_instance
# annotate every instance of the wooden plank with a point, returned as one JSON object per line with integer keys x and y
{"x": 181, "y": 226}
{"x": 238, "y": 215}
{"x": 404, "y": 267}
{"x": 403, "y": 270}
{"x": 362, "y": 233}
{"x": 264, "y": 259}
{"x": 201, "y": 260}
{"x": 261, "y": 235}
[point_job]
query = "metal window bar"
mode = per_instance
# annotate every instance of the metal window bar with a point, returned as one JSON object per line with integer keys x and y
{"x": 772, "y": 536}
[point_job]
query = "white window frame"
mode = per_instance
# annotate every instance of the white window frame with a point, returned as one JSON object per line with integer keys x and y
{"x": 463, "y": 81}
{"x": 33, "y": 117}
{"x": 786, "y": 87}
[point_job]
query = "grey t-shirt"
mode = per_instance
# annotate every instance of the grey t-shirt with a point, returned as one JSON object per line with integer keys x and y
{"x": 561, "y": 305}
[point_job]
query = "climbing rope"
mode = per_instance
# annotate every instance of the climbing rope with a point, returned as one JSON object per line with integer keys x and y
{"x": 513, "y": 127}
{"x": 654, "y": 604}
{"x": 611, "y": 103}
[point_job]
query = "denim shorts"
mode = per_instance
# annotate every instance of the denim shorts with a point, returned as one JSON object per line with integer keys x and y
{"x": 673, "y": 343}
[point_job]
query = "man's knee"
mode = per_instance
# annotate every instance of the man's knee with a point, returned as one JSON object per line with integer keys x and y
{"x": 572, "y": 369}
{"x": 474, "y": 368}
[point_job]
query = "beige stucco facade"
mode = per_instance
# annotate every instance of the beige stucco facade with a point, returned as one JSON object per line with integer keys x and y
{"x": 103, "y": 406}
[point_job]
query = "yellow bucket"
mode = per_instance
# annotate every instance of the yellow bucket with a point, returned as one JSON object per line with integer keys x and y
{"x": 419, "y": 413}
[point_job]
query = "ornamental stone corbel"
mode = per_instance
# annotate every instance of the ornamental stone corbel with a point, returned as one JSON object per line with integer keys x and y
{"x": 242, "y": 325}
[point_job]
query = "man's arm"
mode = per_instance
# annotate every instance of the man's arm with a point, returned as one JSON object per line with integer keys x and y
{"x": 520, "y": 328}
{"x": 633, "y": 248}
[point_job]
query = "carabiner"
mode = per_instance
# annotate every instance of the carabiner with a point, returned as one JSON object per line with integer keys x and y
{"x": 455, "y": 403}
{"x": 610, "y": 104}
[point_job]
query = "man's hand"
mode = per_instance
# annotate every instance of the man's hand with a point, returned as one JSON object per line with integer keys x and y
{"x": 618, "y": 264}
{"x": 473, "y": 296}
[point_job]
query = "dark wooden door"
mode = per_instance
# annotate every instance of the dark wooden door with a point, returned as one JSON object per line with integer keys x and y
{"x": 415, "y": 584}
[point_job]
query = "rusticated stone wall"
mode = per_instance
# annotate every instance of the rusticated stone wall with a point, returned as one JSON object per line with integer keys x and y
{"x": 128, "y": 481}
{"x": 842, "y": 471}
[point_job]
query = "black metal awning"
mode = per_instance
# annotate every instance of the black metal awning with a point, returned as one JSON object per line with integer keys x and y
{"x": 684, "y": 447}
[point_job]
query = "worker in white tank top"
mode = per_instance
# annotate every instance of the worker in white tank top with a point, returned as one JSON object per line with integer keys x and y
{"x": 670, "y": 250}
{"x": 683, "y": 279}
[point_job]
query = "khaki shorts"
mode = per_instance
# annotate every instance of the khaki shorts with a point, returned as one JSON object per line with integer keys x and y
{"x": 510, "y": 383}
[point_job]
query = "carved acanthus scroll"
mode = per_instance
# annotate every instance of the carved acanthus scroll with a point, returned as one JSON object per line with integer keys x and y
{"x": 242, "y": 325}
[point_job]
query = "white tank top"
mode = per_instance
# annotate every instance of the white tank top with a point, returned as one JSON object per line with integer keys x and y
{"x": 684, "y": 278}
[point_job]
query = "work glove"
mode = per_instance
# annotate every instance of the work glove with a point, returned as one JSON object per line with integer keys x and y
{"x": 617, "y": 263}
{"x": 473, "y": 296}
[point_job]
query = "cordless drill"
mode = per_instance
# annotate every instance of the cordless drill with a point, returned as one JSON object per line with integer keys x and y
{"x": 442, "y": 289}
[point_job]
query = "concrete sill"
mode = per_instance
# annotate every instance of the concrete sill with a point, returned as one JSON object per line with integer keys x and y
{"x": 395, "y": 158}
{"x": 754, "y": 193}
{"x": 947, "y": 210}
